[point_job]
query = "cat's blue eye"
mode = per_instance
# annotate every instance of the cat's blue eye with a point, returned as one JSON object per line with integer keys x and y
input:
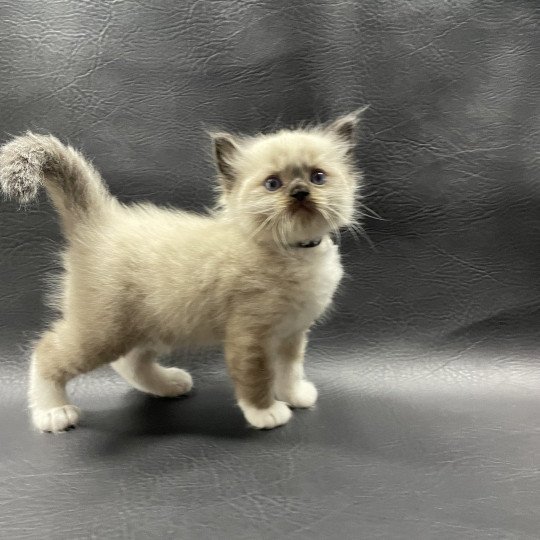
{"x": 273, "y": 183}
{"x": 318, "y": 177}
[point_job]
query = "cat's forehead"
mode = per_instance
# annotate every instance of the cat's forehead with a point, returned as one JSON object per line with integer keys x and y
{"x": 290, "y": 151}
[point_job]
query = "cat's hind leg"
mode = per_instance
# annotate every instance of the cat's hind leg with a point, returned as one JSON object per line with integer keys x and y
{"x": 60, "y": 355}
{"x": 139, "y": 368}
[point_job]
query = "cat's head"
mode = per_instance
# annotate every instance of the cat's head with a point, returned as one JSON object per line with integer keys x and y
{"x": 293, "y": 185}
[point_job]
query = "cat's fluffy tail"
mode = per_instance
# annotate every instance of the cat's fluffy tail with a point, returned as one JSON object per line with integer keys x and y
{"x": 73, "y": 185}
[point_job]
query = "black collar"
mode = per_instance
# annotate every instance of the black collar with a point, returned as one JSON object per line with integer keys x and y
{"x": 310, "y": 244}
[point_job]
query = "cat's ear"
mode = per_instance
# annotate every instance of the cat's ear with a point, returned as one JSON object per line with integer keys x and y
{"x": 226, "y": 147}
{"x": 345, "y": 128}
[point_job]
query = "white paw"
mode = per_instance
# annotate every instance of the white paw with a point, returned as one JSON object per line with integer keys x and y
{"x": 173, "y": 382}
{"x": 276, "y": 415}
{"x": 56, "y": 419}
{"x": 302, "y": 395}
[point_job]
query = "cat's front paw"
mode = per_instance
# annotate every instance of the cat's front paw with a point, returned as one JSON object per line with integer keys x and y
{"x": 302, "y": 395}
{"x": 57, "y": 419}
{"x": 276, "y": 415}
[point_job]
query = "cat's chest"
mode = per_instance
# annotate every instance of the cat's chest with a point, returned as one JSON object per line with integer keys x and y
{"x": 319, "y": 280}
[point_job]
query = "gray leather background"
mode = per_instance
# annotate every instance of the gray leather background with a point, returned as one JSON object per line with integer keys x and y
{"x": 428, "y": 370}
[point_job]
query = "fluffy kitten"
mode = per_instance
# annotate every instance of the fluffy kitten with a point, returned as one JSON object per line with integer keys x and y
{"x": 253, "y": 275}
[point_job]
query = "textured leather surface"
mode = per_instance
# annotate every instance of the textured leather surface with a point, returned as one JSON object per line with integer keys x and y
{"x": 428, "y": 421}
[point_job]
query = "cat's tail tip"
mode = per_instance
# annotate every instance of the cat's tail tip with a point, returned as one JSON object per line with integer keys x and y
{"x": 21, "y": 167}
{"x": 74, "y": 187}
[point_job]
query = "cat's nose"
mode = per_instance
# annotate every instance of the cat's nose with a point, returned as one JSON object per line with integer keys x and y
{"x": 300, "y": 193}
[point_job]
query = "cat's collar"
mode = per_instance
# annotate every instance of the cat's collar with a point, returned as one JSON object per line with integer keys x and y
{"x": 309, "y": 244}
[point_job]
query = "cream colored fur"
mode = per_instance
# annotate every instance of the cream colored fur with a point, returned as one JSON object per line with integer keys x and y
{"x": 140, "y": 279}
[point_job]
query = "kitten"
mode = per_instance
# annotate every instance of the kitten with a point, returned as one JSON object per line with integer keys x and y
{"x": 253, "y": 275}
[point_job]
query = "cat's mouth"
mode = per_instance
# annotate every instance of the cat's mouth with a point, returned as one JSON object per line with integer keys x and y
{"x": 305, "y": 207}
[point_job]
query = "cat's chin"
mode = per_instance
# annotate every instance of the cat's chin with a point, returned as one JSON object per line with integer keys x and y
{"x": 295, "y": 235}
{"x": 303, "y": 224}
{"x": 306, "y": 232}
{"x": 306, "y": 224}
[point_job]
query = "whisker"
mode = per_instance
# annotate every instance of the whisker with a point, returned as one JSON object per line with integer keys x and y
{"x": 357, "y": 231}
{"x": 261, "y": 227}
{"x": 362, "y": 232}
{"x": 371, "y": 213}
{"x": 275, "y": 236}
{"x": 283, "y": 231}
{"x": 333, "y": 224}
